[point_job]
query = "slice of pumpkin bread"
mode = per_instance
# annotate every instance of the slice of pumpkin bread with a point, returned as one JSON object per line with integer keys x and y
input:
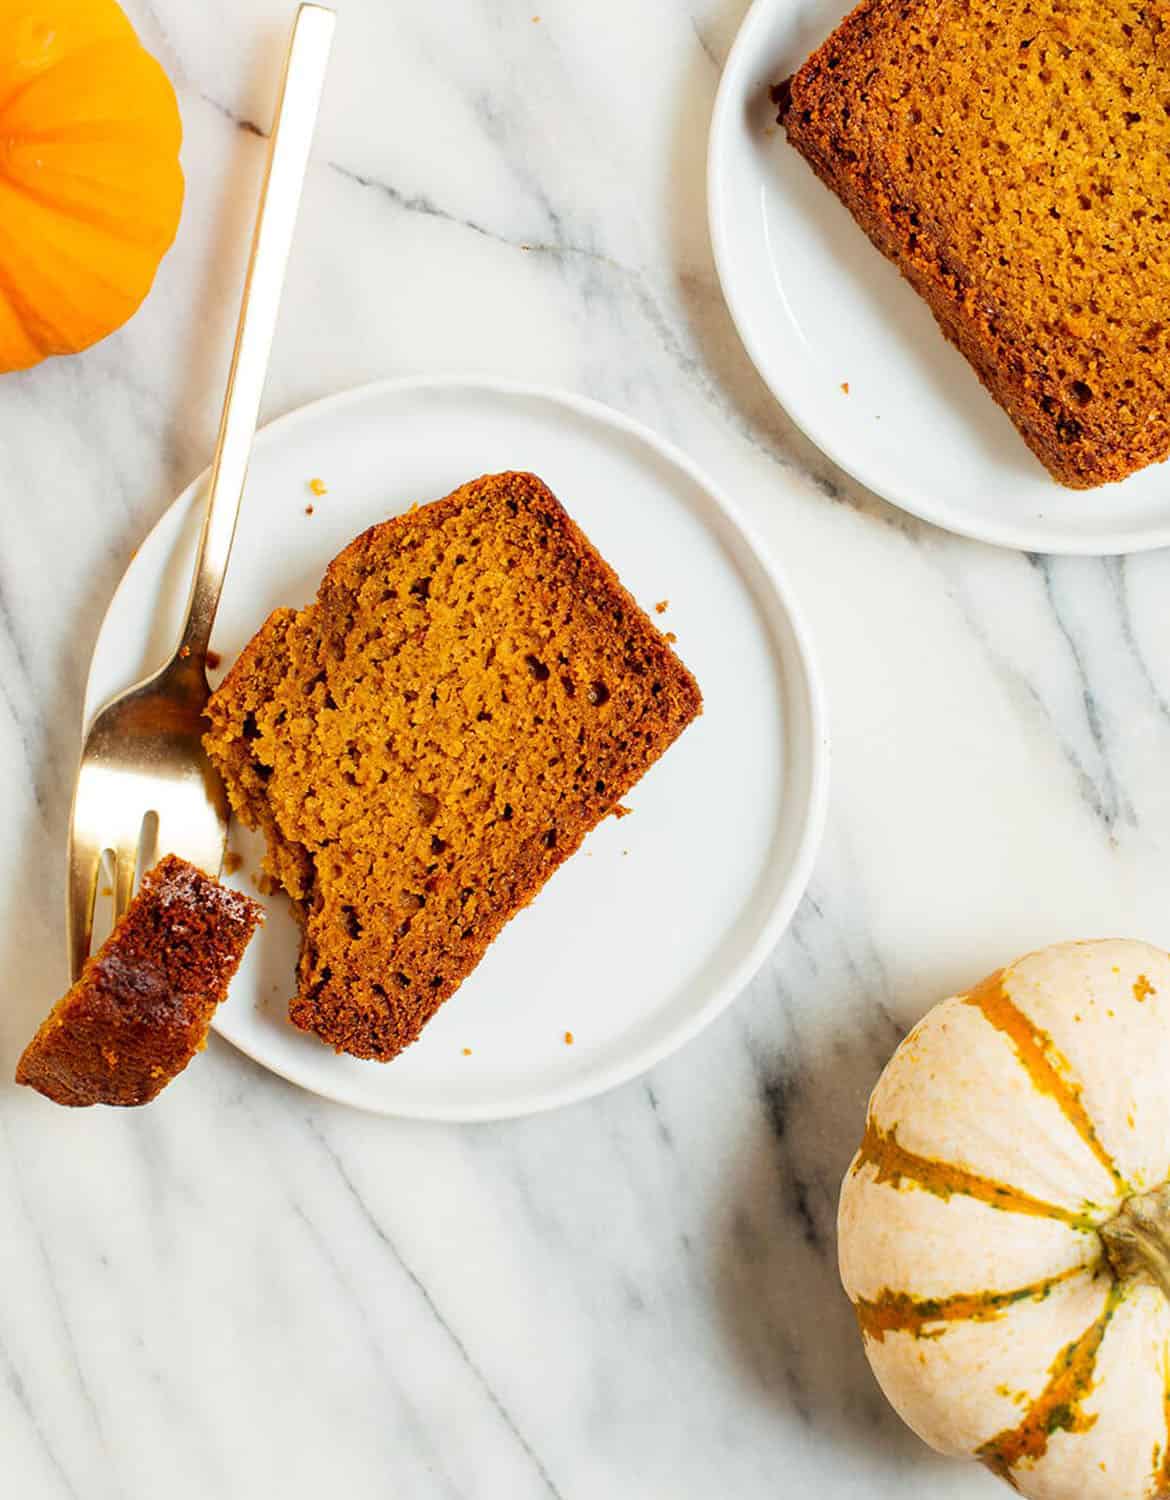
{"x": 1012, "y": 158}
{"x": 471, "y": 692}
{"x": 143, "y": 1004}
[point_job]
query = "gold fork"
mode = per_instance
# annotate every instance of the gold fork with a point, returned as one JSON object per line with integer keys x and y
{"x": 143, "y": 756}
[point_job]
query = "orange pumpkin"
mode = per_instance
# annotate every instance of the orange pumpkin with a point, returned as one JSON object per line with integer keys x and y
{"x": 90, "y": 184}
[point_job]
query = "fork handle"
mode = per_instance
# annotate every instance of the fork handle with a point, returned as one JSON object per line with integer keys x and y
{"x": 288, "y": 160}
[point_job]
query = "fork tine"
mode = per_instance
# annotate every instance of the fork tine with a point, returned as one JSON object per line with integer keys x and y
{"x": 125, "y": 863}
{"x": 84, "y": 864}
{"x": 149, "y": 844}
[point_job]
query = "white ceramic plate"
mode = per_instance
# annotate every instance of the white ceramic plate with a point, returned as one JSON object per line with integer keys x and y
{"x": 817, "y": 307}
{"x": 661, "y": 918}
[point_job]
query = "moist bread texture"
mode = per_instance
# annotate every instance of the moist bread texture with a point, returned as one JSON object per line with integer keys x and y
{"x": 1012, "y": 158}
{"x": 470, "y": 693}
{"x": 142, "y": 1006}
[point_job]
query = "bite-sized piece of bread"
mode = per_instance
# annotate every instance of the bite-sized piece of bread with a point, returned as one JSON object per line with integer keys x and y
{"x": 472, "y": 691}
{"x": 142, "y": 1007}
{"x": 1012, "y": 158}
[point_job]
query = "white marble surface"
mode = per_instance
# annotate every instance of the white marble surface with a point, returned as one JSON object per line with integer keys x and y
{"x": 243, "y": 1291}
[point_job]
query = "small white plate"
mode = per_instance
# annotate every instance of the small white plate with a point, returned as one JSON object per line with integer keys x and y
{"x": 661, "y": 918}
{"x": 818, "y": 307}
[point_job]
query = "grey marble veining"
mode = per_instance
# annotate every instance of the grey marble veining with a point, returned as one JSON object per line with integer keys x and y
{"x": 245, "y": 1291}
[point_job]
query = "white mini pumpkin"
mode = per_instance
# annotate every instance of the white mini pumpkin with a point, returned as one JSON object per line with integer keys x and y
{"x": 1004, "y": 1231}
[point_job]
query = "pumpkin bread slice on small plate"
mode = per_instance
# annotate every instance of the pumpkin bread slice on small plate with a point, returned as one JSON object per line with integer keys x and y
{"x": 471, "y": 692}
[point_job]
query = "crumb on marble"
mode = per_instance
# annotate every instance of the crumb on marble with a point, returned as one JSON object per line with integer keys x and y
{"x": 845, "y": 386}
{"x": 318, "y": 487}
{"x": 662, "y": 606}
{"x": 569, "y": 1038}
{"x": 671, "y": 637}
{"x": 308, "y": 510}
{"x": 467, "y": 1051}
{"x": 622, "y": 812}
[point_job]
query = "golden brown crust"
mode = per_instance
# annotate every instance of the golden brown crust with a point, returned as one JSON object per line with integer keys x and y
{"x": 144, "y": 1002}
{"x": 1011, "y": 159}
{"x": 471, "y": 692}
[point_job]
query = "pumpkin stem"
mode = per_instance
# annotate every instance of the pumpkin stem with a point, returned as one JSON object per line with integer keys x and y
{"x": 1137, "y": 1241}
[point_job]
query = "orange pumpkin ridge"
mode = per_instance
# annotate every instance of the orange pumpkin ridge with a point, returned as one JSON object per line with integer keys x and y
{"x": 1043, "y": 1063}
{"x": 899, "y": 1312}
{"x": 893, "y": 1164}
{"x": 1162, "y": 1459}
{"x": 1058, "y": 1406}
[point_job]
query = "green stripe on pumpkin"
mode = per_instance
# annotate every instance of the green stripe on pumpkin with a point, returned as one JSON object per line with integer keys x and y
{"x": 894, "y": 1164}
{"x": 1045, "y": 1066}
{"x": 1162, "y": 1450}
{"x": 899, "y": 1312}
{"x": 1058, "y": 1406}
